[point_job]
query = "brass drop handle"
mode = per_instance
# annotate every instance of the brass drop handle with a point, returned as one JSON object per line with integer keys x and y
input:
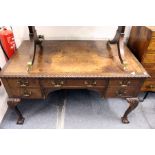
{"x": 152, "y": 86}
{"x": 57, "y": 84}
{"x": 124, "y": 83}
{"x": 27, "y": 94}
{"x": 23, "y": 83}
{"x": 90, "y": 84}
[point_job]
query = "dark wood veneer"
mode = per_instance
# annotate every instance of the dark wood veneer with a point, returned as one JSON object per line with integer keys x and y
{"x": 142, "y": 44}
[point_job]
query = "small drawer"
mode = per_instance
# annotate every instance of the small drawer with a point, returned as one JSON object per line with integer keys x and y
{"x": 150, "y": 52}
{"x": 27, "y": 93}
{"x": 152, "y": 44}
{"x": 87, "y": 82}
{"x": 151, "y": 72}
{"x": 149, "y": 85}
{"x": 149, "y": 58}
{"x": 122, "y": 92}
{"x": 153, "y": 34}
{"x": 23, "y": 82}
{"x": 124, "y": 82}
{"x": 56, "y": 83}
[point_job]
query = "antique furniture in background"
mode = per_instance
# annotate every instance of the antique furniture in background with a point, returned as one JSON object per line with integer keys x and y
{"x": 72, "y": 64}
{"x": 142, "y": 44}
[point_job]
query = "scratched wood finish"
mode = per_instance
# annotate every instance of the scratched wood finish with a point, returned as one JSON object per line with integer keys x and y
{"x": 142, "y": 44}
{"x": 72, "y": 59}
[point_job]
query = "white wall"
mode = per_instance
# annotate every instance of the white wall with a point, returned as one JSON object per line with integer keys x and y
{"x": 3, "y": 94}
{"x": 2, "y": 58}
{"x": 69, "y": 32}
{"x": 79, "y": 32}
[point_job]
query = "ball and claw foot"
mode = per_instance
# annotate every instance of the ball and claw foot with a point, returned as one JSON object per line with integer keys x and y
{"x": 125, "y": 120}
{"x": 133, "y": 103}
{"x": 20, "y": 120}
{"x": 13, "y": 102}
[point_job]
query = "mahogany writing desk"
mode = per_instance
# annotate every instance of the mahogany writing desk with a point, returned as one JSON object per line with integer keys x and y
{"x": 72, "y": 64}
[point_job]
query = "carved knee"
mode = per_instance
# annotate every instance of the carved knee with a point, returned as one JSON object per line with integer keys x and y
{"x": 133, "y": 103}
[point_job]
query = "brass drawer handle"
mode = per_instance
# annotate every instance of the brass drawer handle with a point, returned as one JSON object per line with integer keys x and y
{"x": 90, "y": 84}
{"x": 124, "y": 83}
{"x": 151, "y": 86}
{"x": 23, "y": 83}
{"x": 57, "y": 84}
{"x": 27, "y": 94}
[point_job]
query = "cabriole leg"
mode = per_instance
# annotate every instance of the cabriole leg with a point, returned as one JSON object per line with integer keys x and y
{"x": 133, "y": 103}
{"x": 145, "y": 96}
{"x": 20, "y": 119}
{"x": 13, "y": 102}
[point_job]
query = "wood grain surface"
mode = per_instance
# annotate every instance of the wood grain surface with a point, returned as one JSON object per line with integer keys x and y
{"x": 72, "y": 59}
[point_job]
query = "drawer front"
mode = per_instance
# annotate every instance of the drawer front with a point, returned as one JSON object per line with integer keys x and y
{"x": 149, "y": 85}
{"x": 26, "y": 93}
{"x": 151, "y": 72}
{"x": 22, "y": 82}
{"x": 124, "y": 82}
{"x": 150, "y": 68}
{"x": 152, "y": 44}
{"x": 149, "y": 58}
{"x": 124, "y": 87}
{"x": 57, "y": 83}
{"x": 87, "y": 82}
{"x": 153, "y": 34}
{"x": 122, "y": 92}
{"x": 150, "y": 52}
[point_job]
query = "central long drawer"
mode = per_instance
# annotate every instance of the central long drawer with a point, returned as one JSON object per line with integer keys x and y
{"x": 74, "y": 83}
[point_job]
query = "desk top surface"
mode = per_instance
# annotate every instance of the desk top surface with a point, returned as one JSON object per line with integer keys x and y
{"x": 72, "y": 58}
